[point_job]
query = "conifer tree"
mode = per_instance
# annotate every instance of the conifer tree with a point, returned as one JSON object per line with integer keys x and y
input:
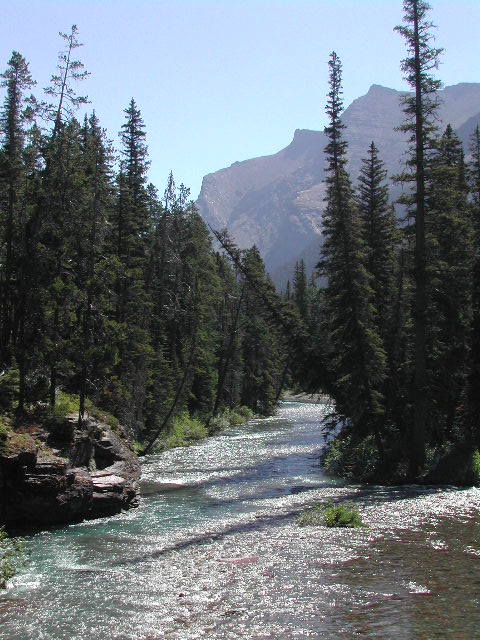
{"x": 16, "y": 115}
{"x": 449, "y": 244}
{"x": 300, "y": 290}
{"x": 420, "y": 110}
{"x": 359, "y": 359}
{"x": 92, "y": 272}
{"x": 131, "y": 232}
{"x": 473, "y": 388}
{"x": 380, "y": 235}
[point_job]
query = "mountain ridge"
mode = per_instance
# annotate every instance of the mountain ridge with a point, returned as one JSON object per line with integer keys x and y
{"x": 276, "y": 201}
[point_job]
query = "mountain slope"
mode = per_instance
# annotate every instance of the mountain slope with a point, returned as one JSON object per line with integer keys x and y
{"x": 276, "y": 202}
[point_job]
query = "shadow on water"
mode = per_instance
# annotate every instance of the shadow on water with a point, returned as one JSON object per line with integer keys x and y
{"x": 366, "y": 496}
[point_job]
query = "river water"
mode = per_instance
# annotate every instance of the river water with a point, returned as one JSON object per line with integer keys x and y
{"x": 213, "y": 551}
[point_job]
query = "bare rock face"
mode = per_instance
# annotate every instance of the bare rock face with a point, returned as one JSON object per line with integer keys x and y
{"x": 276, "y": 202}
{"x": 77, "y": 473}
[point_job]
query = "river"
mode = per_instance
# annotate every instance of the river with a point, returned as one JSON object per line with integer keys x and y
{"x": 213, "y": 551}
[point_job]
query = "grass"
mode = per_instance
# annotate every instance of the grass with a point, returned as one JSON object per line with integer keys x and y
{"x": 5, "y": 431}
{"x": 231, "y": 418}
{"x": 187, "y": 430}
{"x": 476, "y": 465}
{"x": 184, "y": 431}
{"x": 12, "y": 557}
{"x": 344, "y": 515}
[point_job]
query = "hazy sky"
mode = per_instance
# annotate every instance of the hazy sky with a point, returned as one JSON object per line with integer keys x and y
{"x": 225, "y": 80}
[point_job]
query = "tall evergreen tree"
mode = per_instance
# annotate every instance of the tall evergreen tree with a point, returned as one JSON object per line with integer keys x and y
{"x": 381, "y": 237}
{"x": 449, "y": 269}
{"x": 300, "y": 290}
{"x": 15, "y": 116}
{"x": 130, "y": 239}
{"x": 420, "y": 110}
{"x": 473, "y": 394}
{"x": 359, "y": 359}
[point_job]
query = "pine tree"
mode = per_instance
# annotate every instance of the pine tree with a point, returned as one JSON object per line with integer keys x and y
{"x": 359, "y": 360}
{"x": 300, "y": 290}
{"x": 130, "y": 239}
{"x": 16, "y": 115}
{"x": 420, "y": 112}
{"x": 473, "y": 388}
{"x": 381, "y": 237}
{"x": 92, "y": 272}
{"x": 449, "y": 245}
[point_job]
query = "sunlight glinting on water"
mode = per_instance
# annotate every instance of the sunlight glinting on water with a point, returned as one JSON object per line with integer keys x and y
{"x": 213, "y": 551}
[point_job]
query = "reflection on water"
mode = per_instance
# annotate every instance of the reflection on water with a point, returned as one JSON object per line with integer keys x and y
{"x": 213, "y": 552}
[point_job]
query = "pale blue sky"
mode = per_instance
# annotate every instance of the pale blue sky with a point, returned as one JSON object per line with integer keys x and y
{"x": 219, "y": 81}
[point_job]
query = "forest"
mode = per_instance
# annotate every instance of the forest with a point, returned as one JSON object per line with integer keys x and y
{"x": 118, "y": 295}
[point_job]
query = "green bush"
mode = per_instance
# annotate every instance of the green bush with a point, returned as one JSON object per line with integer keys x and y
{"x": 4, "y": 431}
{"x": 340, "y": 515}
{"x": 12, "y": 557}
{"x": 245, "y": 412}
{"x": 65, "y": 404}
{"x": 476, "y": 465}
{"x": 352, "y": 458}
{"x": 184, "y": 431}
{"x": 101, "y": 415}
{"x": 231, "y": 418}
{"x": 9, "y": 386}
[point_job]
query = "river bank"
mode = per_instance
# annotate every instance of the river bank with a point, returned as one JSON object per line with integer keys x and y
{"x": 54, "y": 470}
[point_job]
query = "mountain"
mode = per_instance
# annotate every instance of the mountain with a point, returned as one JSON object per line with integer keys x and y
{"x": 276, "y": 202}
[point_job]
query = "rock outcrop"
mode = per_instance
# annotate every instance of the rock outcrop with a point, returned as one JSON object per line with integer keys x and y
{"x": 67, "y": 474}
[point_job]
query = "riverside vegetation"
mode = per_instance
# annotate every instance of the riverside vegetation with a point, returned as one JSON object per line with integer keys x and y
{"x": 115, "y": 294}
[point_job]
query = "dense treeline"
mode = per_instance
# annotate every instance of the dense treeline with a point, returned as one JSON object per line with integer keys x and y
{"x": 109, "y": 290}
{"x": 113, "y": 292}
{"x": 398, "y": 320}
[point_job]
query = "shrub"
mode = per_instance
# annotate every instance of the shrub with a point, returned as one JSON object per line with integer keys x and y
{"x": 12, "y": 557}
{"x": 476, "y": 465}
{"x": 9, "y": 386}
{"x": 340, "y": 515}
{"x": 312, "y": 517}
{"x": 245, "y": 412}
{"x": 184, "y": 431}
{"x": 102, "y": 416}
{"x": 4, "y": 431}
{"x": 65, "y": 404}
{"x": 352, "y": 458}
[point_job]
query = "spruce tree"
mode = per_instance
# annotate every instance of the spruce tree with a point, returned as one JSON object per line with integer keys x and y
{"x": 15, "y": 117}
{"x": 300, "y": 290}
{"x": 420, "y": 110}
{"x": 449, "y": 269}
{"x": 473, "y": 393}
{"x": 130, "y": 237}
{"x": 359, "y": 360}
{"x": 381, "y": 237}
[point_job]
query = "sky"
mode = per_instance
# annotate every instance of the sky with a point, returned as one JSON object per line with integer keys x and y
{"x": 219, "y": 81}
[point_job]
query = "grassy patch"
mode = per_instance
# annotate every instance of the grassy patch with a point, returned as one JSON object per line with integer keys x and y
{"x": 12, "y": 557}
{"x": 340, "y": 515}
{"x": 231, "y": 418}
{"x": 65, "y": 404}
{"x": 102, "y": 416}
{"x": 184, "y": 431}
{"x": 476, "y": 465}
{"x": 5, "y": 431}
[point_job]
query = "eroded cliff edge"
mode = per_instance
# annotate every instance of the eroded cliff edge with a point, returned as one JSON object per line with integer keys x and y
{"x": 66, "y": 473}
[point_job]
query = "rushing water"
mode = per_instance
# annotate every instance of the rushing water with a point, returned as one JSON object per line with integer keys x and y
{"x": 213, "y": 552}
